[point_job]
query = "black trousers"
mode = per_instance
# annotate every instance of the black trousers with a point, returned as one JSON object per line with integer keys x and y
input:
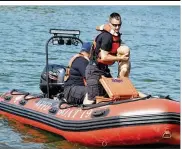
{"x": 93, "y": 74}
{"x": 74, "y": 94}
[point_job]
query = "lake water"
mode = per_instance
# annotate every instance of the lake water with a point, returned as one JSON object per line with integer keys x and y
{"x": 152, "y": 33}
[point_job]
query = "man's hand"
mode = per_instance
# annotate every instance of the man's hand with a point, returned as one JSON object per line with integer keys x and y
{"x": 124, "y": 57}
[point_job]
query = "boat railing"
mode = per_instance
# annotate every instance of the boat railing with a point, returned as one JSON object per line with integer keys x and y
{"x": 61, "y": 37}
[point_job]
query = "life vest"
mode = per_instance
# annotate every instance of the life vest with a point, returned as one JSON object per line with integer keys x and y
{"x": 115, "y": 44}
{"x": 67, "y": 74}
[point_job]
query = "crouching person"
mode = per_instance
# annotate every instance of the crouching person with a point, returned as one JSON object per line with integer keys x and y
{"x": 74, "y": 90}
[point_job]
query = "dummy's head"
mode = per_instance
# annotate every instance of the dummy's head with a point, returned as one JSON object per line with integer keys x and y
{"x": 123, "y": 49}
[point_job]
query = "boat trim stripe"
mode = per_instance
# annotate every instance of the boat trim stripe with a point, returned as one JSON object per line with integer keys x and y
{"x": 92, "y": 124}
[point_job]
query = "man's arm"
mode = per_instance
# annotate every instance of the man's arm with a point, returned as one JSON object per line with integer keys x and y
{"x": 106, "y": 45}
{"x": 105, "y": 56}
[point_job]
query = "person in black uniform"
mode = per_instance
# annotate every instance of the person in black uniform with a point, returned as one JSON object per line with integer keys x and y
{"x": 104, "y": 53}
{"x": 74, "y": 90}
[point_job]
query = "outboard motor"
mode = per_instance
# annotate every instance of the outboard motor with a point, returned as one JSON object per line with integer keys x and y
{"x": 57, "y": 72}
{"x": 56, "y": 79}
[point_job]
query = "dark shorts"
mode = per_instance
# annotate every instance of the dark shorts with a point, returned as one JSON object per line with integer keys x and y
{"x": 74, "y": 94}
{"x": 93, "y": 74}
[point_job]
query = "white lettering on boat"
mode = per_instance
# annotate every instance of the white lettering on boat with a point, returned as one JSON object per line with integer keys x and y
{"x": 66, "y": 112}
{"x": 72, "y": 113}
{"x": 83, "y": 114}
{"x": 63, "y": 112}
{"x": 43, "y": 105}
{"x": 88, "y": 113}
{"x": 77, "y": 110}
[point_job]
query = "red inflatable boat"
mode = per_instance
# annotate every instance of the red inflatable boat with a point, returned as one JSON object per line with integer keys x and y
{"x": 119, "y": 119}
{"x": 126, "y": 122}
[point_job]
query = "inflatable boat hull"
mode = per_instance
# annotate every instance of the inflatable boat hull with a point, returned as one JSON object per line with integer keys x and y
{"x": 129, "y": 122}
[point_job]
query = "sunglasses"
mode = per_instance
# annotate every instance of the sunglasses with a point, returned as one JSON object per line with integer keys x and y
{"x": 115, "y": 25}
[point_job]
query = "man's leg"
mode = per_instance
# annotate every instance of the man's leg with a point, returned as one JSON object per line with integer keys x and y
{"x": 92, "y": 78}
{"x": 76, "y": 94}
{"x": 86, "y": 101}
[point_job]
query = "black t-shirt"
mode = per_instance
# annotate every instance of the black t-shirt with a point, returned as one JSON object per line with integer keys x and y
{"x": 77, "y": 72}
{"x": 104, "y": 41}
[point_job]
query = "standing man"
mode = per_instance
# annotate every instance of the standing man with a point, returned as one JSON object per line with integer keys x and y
{"x": 103, "y": 54}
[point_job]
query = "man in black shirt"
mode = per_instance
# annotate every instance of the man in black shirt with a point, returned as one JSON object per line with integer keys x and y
{"x": 74, "y": 90}
{"x": 104, "y": 53}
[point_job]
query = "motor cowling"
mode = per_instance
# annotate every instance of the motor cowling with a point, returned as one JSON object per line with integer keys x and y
{"x": 56, "y": 79}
